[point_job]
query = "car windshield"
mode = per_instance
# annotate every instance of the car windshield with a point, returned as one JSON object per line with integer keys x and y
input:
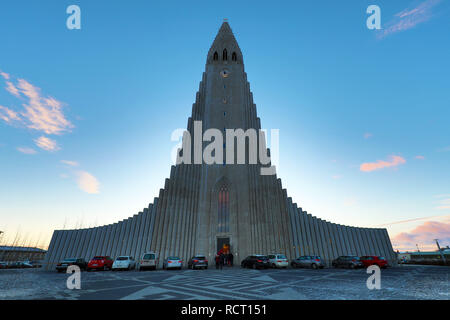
{"x": 149, "y": 256}
{"x": 354, "y": 258}
{"x": 316, "y": 257}
{"x": 381, "y": 258}
{"x": 122, "y": 258}
{"x": 70, "y": 260}
{"x": 262, "y": 257}
{"x": 98, "y": 258}
{"x": 200, "y": 257}
{"x": 281, "y": 256}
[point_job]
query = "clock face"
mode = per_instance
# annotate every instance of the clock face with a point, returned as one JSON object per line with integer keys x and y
{"x": 225, "y": 73}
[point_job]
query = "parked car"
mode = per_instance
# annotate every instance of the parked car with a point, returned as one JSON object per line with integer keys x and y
{"x": 374, "y": 260}
{"x": 20, "y": 265}
{"x": 3, "y": 265}
{"x": 100, "y": 263}
{"x": 124, "y": 263}
{"x": 352, "y": 262}
{"x": 198, "y": 262}
{"x": 149, "y": 261}
{"x": 256, "y": 261}
{"x": 36, "y": 263}
{"x": 278, "y": 260}
{"x": 314, "y": 262}
{"x": 63, "y": 265}
{"x": 173, "y": 263}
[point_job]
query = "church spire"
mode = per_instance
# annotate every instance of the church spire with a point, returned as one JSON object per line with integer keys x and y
{"x": 225, "y": 48}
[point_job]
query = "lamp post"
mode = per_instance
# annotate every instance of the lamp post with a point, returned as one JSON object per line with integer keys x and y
{"x": 440, "y": 251}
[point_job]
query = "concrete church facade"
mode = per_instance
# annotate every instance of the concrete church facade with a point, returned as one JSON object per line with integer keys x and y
{"x": 203, "y": 206}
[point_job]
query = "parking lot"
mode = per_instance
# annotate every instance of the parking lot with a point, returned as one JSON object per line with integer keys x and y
{"x": 403, "y": 282}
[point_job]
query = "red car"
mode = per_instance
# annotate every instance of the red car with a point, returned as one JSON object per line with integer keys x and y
{"x": 100, "y": 263}
{"x": 374, "y": 260}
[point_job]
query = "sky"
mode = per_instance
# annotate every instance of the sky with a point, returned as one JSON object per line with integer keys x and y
{"x": 86, "y": 116}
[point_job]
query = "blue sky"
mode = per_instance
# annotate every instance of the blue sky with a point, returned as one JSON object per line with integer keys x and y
{"x": 363, "y": 114}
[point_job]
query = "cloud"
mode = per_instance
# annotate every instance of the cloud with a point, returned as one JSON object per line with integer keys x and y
{"x": 46, "y": 144}
{"x": 444, "y": 149}
{"x": 380, "y": 164}
{"x": 337, "y": 176}
{"x": 424, "y": 235}
{"x": 70, "y": 163}
{"x": 41, "y": 113}
{"x": 26, "y": 150}
{"x": 87, "y": 182}
{"x": 368, "y": 135}
{"x": 4, "y": 75}
{"x": 444, "y": 204}
{"x": 8, "y": 115}
{"x": 420, "y": 157}
{"x": 409, "y": 18}
{"x": 410, "y": 220}
{"x": 12, "y": 89}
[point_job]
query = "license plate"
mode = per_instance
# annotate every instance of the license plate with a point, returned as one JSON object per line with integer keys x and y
{"x": 95, "y": 265}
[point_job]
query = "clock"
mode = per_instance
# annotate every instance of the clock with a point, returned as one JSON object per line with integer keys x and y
{"x": 225, "y": 73}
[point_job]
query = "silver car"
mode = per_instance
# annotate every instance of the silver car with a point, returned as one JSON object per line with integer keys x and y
{"x": 314, "y": 262}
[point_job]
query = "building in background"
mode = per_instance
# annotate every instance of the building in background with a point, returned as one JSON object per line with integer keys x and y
{"x": 12, "y": 253}
{"x": 203, "y": 207}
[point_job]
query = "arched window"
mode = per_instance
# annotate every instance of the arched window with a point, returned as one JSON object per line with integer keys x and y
{"x": 215, "y": 56}
{"x": 223, "y": 223}
{"x": 225, "y": 55}
{"x": 234, "y": 56}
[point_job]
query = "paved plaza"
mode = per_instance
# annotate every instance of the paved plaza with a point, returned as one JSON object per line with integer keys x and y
{"x": 403, "y": 282}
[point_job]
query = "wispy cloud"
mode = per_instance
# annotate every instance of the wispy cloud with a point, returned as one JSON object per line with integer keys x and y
{"x": 47, "y": 144}
{"x": 420, "y": 157}
{"x": 443, "y": 204}
{"x": 424, "y": 235}
{"x": 410, "y": 220}
{"x": 4, "y": 75}
{"x": 26, "y": 150}
{"x": 444, "y": 149}
{"x": 87, "y": 182}
{"x": 410, "y": 17}
{"x": 380, "y": 164}
{"x": 8, "y": 115}
{"x": 368, "y": 135}
{"x": 70, "y": 163}
{"x": 39, "y": 112}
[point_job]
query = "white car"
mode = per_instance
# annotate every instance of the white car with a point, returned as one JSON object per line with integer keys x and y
{"x": 278, "y": 261}
{"x": 124, "y": 263}
{"x": 149, "y": 261}
{"x": 173, "y": 262}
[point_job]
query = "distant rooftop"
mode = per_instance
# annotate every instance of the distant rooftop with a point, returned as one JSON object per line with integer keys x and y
{"x": 24, "y": 249}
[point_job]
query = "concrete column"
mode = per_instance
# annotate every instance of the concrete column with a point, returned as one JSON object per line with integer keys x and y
{"x": 303, "y": 234}
{"x": 344, "y": 249}
{"x": 351, "y": 241}
{"x": 90, "y": 251}
{"x": 311, "y": 249}
{"x": 131, "y": 236}
{"x": 376, "y": 241}
{"x": 331, "y": 241}
{"x": 287, "y": 218}
{"x": 318, "y": 239}
{"x": 325, "y": 238}
{"x": 337, "y": 240}
{"x": 392, "y": 255}
{"x": 99, "y": 240}
{"x": 106, "y": 241}
{"x": 74, "y": 244}
{"x": 56, "y": 241}
{"x": 366, "y": 235}
{"x": 151, "y": 224}
{"x": 111, "y": 239}
{"x": 124, "y": 244}
{"x": 293, "y": 215}
{"x": 118, "y": 239}
{"x": 137, "y": 238}
{"x": 59, "y": 254}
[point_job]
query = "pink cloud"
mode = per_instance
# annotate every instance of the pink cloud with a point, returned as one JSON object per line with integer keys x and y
{"x": 46, "y": 144}
{"x": 424, "y": 235}
{"x": 420, "y": 157}
{"x": 8, "y": 115}
{"x": 42, "y": 113}
{"x": 380, "y": 164}
{"x": 4, "y": 75}
{"x": 26, "y": 150}
{"x": 367, "y": 135}
{"x": 410, "y": 17}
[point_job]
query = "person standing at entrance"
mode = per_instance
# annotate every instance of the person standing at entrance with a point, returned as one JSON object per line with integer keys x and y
{"x": 221, "y": 260}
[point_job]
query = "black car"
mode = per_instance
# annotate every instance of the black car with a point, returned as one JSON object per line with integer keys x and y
{"x": 63, "y": 265}
{"x": 198, "y": 262}
{"x": 352, "y": 262}
{"x": 256, "y": 261}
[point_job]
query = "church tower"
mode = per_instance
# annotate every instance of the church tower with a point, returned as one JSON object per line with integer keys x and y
{"x": 204, "y": 206}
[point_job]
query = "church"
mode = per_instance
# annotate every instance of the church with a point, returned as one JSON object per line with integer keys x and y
{"x": 203, "y": 207}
